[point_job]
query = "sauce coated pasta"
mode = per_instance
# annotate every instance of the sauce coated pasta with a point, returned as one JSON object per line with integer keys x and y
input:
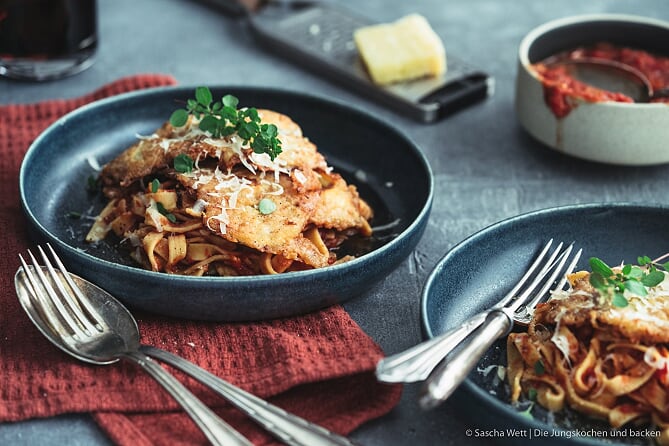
{"x": 183, "y": 201}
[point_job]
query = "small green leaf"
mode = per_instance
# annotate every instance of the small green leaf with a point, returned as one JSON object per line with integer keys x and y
{"x": 619, "y": 300}
{"x": 209, "y": 124}
{"x": 266, "y": 206}
{"x": 229, "y": 113}
{"x": 252, "y": 114}
{"x": 635, "y": 272}
{"x": 260, "y": 146}
{"x": 598, "y": 266}
{"x": 598, "y": 281}
{"x": 164, "y": 212}
{"x": 539, "y": 368}
{"x": 155, "y": 185}
{"x": 653, "y": 278}
{"x": 183, "y": 163}
{"x": 644, "y": 260}
{"x": 203, "y": 96}
{"x": 635, "y": 287}
{"x": 179, "y": 118}
{"x": 247, "y": 129}
{"x": 230, "y": 101}
{"x": 73, "y": 215}
{"x": 228, "y": 130}
{"x": 269, "y": 131}
{"x": 532, "y": 394}
{"x": 665, "y": 266}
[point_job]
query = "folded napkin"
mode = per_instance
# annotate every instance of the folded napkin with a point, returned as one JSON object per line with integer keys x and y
{"x": 319, "y": 366}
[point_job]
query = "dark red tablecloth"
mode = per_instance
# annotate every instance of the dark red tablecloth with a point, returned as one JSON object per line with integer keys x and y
{"x": 319, "y": 366}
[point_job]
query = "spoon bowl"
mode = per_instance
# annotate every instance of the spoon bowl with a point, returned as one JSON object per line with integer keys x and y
{"x": 611, "y": 75}
{"x": 91, "y": 353}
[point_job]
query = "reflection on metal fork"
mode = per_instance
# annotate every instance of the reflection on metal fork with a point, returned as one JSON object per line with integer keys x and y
{"x": 416, "y": 363}
{"x": 102, "y": 333}
{"x": 443, "y": 381}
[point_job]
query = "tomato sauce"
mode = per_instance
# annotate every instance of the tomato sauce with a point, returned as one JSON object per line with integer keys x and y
{"x": 562, "y": 92}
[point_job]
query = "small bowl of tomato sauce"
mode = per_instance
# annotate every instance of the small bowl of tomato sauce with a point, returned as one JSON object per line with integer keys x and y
{"x": 586, "y": 121}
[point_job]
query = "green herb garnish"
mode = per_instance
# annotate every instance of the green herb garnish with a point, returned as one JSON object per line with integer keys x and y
{"x": 532, "y": 394}
{"x": 266, "y": 206}
{"x": 155, "y": 185}
{"x": 183, "y": 163}
{"x": 168, "y": 215}
{"x": 222, "y": 118}
{"x": 93, "y": 183}
{"x": 539, "y": 368}
{"x": 633, "y": 278}
{"x": 73, "y": 215}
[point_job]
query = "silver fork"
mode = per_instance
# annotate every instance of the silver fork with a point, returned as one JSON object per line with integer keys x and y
{"x": 499, "y": 320}
{"x": 287, "y": 427}
{"x": 103, "y": 336}
{"x": 416, "y": 363}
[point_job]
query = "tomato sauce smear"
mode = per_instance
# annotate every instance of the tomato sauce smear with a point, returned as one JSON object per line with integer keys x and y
{"x": 562, "y": 92}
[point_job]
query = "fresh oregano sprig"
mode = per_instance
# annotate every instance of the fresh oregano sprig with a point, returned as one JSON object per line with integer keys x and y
{"x": 633, "y": 278}
{"x": 223, "y": 118}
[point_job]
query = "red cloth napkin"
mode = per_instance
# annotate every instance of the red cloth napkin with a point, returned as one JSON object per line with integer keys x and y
{"x": 318, "y": 366}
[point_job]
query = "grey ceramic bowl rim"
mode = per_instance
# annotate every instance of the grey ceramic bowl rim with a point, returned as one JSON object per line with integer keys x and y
{"x": 289, "y": 277}
{"x": 534, "y": 34}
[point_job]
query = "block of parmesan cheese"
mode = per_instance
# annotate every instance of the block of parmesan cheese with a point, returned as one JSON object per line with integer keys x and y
{"x": 404, "y": 50}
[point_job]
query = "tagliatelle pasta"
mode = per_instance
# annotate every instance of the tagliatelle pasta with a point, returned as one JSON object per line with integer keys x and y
{"x": 600, "y": 348}
{"x": 186, "y": 202}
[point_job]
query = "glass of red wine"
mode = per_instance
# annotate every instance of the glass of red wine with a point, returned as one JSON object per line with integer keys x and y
{"x": 46, "y": 39}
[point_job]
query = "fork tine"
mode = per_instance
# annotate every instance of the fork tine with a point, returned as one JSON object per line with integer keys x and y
{"x": 76, "y": 298}
{"x": 548, "y": 282}
{"x": 537, "y": 261}
{"x": 48, "y": 301}
{"x": 38, "y": 295}
{"x": 65, "y": 302}
{"x": 545, "y": 280}
{"x": 547, "y": 265}
{"x": 543, "y": 295}
{"x": 570, "y": 269}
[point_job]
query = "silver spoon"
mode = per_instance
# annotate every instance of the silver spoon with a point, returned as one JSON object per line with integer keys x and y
{"x": 612, "y": 76}
{"x": 99, "y": 330}
{"x": 289, "y": 428}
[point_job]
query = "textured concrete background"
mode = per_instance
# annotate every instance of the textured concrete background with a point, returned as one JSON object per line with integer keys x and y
{"x": 486, "y": 167}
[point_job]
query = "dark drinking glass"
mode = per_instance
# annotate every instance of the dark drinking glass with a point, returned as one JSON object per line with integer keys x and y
{"x": 46, "y": 39}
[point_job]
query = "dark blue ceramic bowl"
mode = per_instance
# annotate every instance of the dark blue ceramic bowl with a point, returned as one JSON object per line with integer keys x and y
{"x": 390, "y": 171}
{"x": 476, "y": 273}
